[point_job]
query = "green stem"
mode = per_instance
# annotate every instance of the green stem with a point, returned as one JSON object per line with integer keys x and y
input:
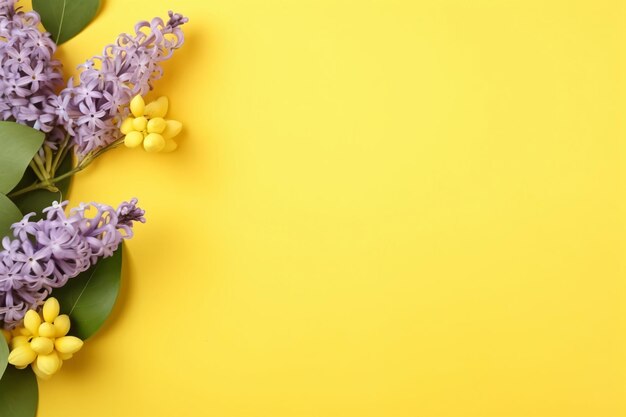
{"x": 84, "y": 163}
{"x": 60, "y": 156}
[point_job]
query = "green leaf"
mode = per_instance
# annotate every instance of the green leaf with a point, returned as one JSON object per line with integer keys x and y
{"x": 64, "y": 19}
{"x": 89, "y": 298}
{"x": 18, "y": 393}
{"x": 18, "y": 145}
{"x": 36, "y": 201}
{"x": 9, "y": 214}
{"x": 4, "y": 354}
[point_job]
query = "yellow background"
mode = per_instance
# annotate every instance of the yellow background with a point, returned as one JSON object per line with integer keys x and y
{"x": 379, "y": 208}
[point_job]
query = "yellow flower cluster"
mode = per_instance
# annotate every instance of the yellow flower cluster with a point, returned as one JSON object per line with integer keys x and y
{"x": 43, "y": 342}
{"x": 148, "y": 126}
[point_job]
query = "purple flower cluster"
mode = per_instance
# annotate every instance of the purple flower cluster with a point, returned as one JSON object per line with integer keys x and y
{"x": 93, "y": 109}
{"x": 46, "y": 253}
{"x": 29, "y": 76}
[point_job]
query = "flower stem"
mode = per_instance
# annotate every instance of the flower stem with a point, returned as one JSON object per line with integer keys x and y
{"x": 84, "y": 163}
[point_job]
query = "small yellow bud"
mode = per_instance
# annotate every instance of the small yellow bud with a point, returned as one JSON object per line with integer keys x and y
{"x": 51, "y": 309}
{"x": 154, "y": 143}
{"x": 156, "y": 125}
{"x": 47, "y": 330}
{"x": 22, "y": 331}
{"x": 68, "y": 344}
{"x": 137, "y": 106}
{"x": 61, "y": 325}
{"x": 133, "y": 139}
{"x": 7, "y": 335}
{"x": 19, "y": 341}
{"x": 49, "y": 364}
{"x": 42, "y": 345}
{"x": 158, "y": 108}
{"x": 65, "y": 356}
{"x": 38, "y": 371}
{"x": 32, "y": 322}
{"x": 22, "y": 356}
{"x": 140, "y": 123}
{"x": 172, "y": 129}
{"x": 127, "y": 125}
{"x": 170, "y": 145}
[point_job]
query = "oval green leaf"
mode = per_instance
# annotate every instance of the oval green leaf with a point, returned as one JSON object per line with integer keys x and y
{"x": 36, "y": 201}
{"x": 18, "y": 145}
{"x": 4, "y": 354}
{"x": 9, "y": 214}
{"x": 89, "y": 298}
{"x": 18, "y": 393}
{"x": 65, "y": 19}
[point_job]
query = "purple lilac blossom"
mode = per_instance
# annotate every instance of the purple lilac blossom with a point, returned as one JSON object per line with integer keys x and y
{"x": 43, "y": 255}
{"x": 29, "y": 75}
{"x": 92, "y": 108}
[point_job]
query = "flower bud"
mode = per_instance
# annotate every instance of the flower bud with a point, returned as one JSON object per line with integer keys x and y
{"x": 19, "y": 341}
{"x": 49, "y": 364}
{"x": 158, "y": 108}
{"x": 133, "y": 139}
{"x": 172, "y": 128}
{"x": 156, "y": 125}
{"x": 61, "y": 325}
{"x": 137, "y": 106}
{"x": 51, "y": 309}
{"x": 154, "y": 143}
{"x": 127, "y": 125}
{"x": 38, "y": 371}
{"x": 47, "y": 330}
{"x": 68, "y": 344}
{"x": 42, "y": 345}
{"x": 140, "y": 123}
{"x": 32, "y": 322}
{"x": 65, "y": 356}
{"x": 22, "y": 355}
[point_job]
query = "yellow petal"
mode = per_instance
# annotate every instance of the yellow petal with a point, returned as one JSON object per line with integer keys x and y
{"x": 61, "y": 325}
{"x": 65, "y": 356}
{"x": 47, "y": 330}
{"x": 51, "y": 309}
{"x": 32, "y": 322}
{"x": 68, "y": 344}
{"x": 42, "y": 345}
{"x": 137, "y": 106}
{"x": 19, "y": 341}
{"x": 170, "y": 145}
{"x": 158, "y": 108}
{"x": 22, "y": 356}
{"x": 140, "y": 123}
{"x": 38, "y": 371}
{"x": 133, "y": 139}
{"x": 48, "y": 364}
{"x": 154, "y": 143}
{"x": 172, "y": 128}
{"x": 156, "y": 125}
{"x": 127, "y": 125}
{"x": 22, "y": 331}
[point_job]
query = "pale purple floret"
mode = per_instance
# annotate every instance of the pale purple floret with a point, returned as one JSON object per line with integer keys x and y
{"x": 92, "y": 108}
{"x": 29, "y": 76}
{"x": 43, "y": 255}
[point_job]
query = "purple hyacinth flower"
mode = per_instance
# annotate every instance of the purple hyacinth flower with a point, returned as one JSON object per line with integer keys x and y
{"x": 44, "y": 255}
{"x": 98, "y": 101}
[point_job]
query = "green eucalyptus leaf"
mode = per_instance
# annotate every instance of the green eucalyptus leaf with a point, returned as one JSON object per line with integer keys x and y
{"x": 36, "y": 201}
{"x": 89, "y": 298}
{"x": 9, "y": 214}
{"x": 4, "y": 354}
{"x": 18, "y": 393}
{"x": 64, "y": 19}
{"x": 18, "y": 145}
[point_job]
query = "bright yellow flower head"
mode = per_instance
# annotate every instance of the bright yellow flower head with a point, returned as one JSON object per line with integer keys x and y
{"x": 43, "y": 342}
{"x": 148, "y": 126}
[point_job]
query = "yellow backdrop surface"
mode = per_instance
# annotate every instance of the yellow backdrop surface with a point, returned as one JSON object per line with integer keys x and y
{"x": 380, "y": 208}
